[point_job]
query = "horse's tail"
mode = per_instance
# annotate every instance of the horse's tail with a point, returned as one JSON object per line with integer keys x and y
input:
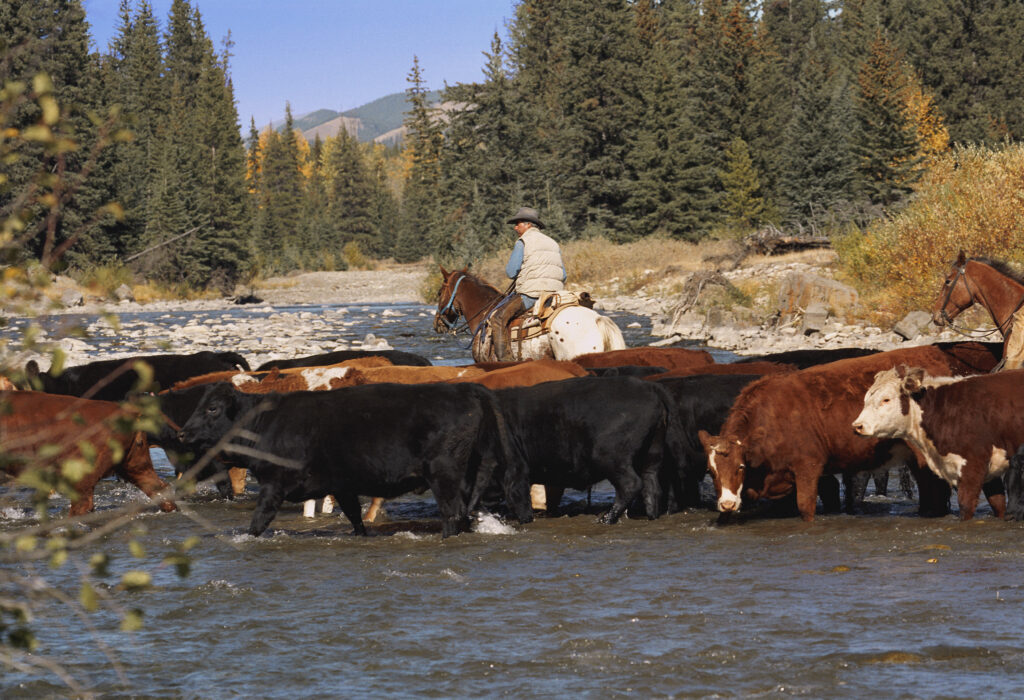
{"x": 611, "y": 334}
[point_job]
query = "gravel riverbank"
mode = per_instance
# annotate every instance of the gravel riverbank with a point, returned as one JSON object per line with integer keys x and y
{"x": 290, "y": 332}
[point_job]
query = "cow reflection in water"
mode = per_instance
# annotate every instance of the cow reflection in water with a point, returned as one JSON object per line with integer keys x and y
{"x": 352, "y": 442}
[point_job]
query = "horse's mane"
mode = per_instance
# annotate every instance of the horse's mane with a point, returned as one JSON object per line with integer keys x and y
{"x": 1002, "y": 268}
{"x": 479, "y": 281}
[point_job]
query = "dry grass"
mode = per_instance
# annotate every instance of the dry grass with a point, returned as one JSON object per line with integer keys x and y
{"x": 605, "y": 268}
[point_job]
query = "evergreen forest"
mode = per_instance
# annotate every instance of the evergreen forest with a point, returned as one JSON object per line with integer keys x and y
{"x": 617, "y": 119}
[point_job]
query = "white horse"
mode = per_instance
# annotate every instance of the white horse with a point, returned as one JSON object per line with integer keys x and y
{"x": 574, "y": 330}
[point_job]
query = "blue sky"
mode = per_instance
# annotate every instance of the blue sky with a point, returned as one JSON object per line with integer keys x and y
{"x": 334, "y": 54}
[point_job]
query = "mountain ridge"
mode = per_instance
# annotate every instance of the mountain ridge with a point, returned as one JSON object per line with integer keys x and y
{"x": 378, "y": 121}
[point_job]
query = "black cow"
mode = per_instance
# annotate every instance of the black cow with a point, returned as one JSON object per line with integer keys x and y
{"x": 396, "y": 357}
{"x": 803, "y": 359}
{"x": 114, "y": 380}
{"x": 373, "y": 440}
{"x": 576, "y": 432}
{"x": 703, "y": 402}
{"x": 1013, "y": 481}
{"x": 626, "y": 371}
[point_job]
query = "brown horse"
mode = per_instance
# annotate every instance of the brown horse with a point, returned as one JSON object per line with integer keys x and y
{"x": 574, "y": 330}
{"x": 992, "y": 285}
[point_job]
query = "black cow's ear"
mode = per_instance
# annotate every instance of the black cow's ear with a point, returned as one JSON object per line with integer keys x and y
{"x": 31, "y": 369}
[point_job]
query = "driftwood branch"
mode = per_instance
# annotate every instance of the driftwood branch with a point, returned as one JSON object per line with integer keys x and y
{"x": 771, "y": 241}
{"x": 172, "y": 239}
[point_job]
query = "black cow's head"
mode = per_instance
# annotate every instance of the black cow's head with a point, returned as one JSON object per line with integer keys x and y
{"x": 219, "y": 410}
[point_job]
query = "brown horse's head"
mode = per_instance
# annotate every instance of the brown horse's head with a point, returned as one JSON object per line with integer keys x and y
{"x": 448, "y": 306}
{"x": 955, "y": 296}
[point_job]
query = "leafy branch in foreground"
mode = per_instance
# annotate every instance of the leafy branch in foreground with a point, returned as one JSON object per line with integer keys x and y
{"x": 36, "y": 551}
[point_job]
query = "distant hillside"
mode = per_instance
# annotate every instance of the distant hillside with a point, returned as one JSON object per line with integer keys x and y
{"x": 308, "y": 121}
{"x": 380, "y": 120}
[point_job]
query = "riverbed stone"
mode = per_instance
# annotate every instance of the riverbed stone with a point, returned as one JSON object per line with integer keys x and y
{"x": 913, "y": 324}
{"x": 124, "y": 293}
{"x": 800, "y": 290}
{"x": 815, "y": 318}
{"x": 71, "y": 297}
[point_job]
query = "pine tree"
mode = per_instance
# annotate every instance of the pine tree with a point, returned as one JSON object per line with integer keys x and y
{"x": 384, "y": 208}
{"x": 482, "y": 162}
{"x": 51, "y": 37}
{"x": 221, "y": 192}
{"x": 734, "y": 83}
{"x": 318, "y": 228}
{"x": 349, "y": 193}
{"x": 818, "y": 166}
{"x": 743, "y": 203}
{"x": 282, "y": 196}
{"x": 968, "y": 55}
{"x": 885, "y": 142}
{"x": 134, "y": 82}
{"x": 420, "y": 230}
{"x": 672, "y": 182}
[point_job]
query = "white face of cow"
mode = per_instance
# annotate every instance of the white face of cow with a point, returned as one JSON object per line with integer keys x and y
{"x": 883, "y": 415}
{"x": 725, "y": 464}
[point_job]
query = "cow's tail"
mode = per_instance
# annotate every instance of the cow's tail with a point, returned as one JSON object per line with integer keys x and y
{"x": 507, "y": 461}
{"x": 611, "y": 333}
{"x": 675, "y": 451}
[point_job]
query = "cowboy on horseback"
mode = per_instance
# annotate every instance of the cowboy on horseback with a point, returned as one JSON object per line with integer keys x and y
{"x": 535, "y": 267}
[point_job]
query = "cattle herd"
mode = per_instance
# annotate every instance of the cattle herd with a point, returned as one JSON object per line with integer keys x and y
{"x": 783, "y": 429}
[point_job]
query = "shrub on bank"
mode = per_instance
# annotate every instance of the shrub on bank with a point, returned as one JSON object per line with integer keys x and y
{"x": 971, "y": 199}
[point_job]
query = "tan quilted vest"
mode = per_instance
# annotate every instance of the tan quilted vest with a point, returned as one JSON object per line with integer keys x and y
{"x": 542, "y": 265}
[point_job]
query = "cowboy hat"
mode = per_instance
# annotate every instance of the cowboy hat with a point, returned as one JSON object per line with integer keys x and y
{"x": 527, "y": 214}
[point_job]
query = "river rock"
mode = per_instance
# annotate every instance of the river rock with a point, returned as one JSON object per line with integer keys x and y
{"x": 71, "y": 297}
{"x": 815, "y": 318}
{"x": 800, "y": 290}
{"x": 913, "y": 324}
{"x": 124, "y": 293}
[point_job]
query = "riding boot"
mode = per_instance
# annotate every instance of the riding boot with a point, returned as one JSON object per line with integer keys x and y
{"x": 499, "y": 340}
{"x": 499, "y": 323}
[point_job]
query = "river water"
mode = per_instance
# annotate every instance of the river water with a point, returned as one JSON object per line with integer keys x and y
{"x": 883, "y": 604}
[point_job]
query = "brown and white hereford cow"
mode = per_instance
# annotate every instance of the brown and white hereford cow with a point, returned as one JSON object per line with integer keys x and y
{"x": 786, "y": 430}
{"x": 966, "y": 430}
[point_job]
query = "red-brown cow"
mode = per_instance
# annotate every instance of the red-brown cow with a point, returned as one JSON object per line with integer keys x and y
{"x": 729, "y": 368}
{"x": 669, "y": 358}
{"x": 786, "y": 430}
{"x": 33, "y": 420}
{"x": 966, "y": 430}
{"x": 526, "y": 373}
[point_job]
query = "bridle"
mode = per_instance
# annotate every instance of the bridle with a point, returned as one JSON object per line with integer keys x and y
{"x": 442, "y": 313}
